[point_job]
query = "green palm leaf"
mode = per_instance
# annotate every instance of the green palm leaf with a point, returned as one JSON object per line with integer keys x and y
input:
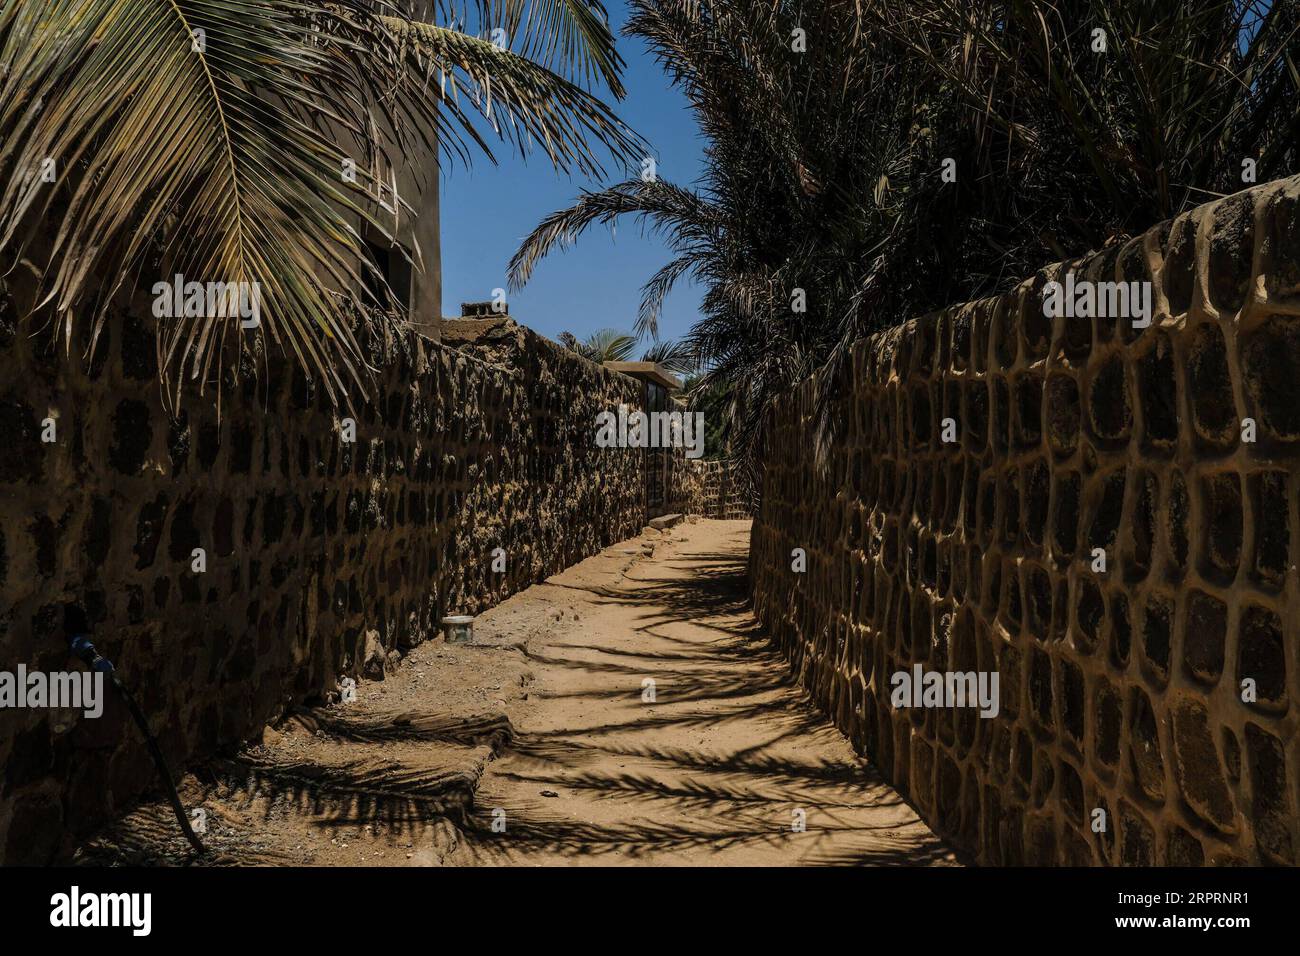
{"x": 609, "y": 345}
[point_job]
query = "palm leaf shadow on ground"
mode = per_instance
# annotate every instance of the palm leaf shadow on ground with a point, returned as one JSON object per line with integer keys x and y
{"x": 717, "y": 801}
{"x": 721, "y": 801}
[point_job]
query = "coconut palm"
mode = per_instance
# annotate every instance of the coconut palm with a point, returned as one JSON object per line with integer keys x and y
{"x": 867, "y": 162}
{"x": 208, "y": 136}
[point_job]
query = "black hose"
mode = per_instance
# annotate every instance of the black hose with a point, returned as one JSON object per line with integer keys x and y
{"x": 80, "y": 645}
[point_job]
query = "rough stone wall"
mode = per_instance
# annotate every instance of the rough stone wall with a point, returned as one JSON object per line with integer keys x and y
{"x": 310, "y": 542}
{"x": 713, "y": 489}
{"x": 1120, "y": 690}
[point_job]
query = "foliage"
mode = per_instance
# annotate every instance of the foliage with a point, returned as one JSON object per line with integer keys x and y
{"x": 823, "y": 213}
{"x": 207, "y": 138}
{"x": 611, "y": 345}
{"x": 604, "y": 345}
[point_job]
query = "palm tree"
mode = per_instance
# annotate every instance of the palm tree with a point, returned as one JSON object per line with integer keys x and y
{"x": 868, "y": 162}
{"x": 1077, "y": 125}
{"x": 673, "y": 354}
{"x": 611, "y": 345}
{"x": 604, "y": 345}
{"x": 789, "y": 224}
{"x": 209, "y": 136}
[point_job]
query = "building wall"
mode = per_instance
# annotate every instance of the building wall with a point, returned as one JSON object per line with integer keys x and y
{"x": 311, "y": 543}
{"x": 398, "y": 167}
{"x": 1120, "y": 690}
{"x": 418, "y": 180}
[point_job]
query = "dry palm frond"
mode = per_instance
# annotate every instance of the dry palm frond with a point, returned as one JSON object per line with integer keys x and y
{"x": 673, "y": 354}
{"x": 186, "y": 137}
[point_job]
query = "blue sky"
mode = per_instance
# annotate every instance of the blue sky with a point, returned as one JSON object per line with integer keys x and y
{"x": 487, "y": 210}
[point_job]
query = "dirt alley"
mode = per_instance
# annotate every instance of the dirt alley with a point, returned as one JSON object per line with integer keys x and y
{"x": 624, "y": 711}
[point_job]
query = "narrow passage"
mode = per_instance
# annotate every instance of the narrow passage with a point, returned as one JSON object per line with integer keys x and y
{"x": 626, "y": 710}
{"x": 718, "y": 769}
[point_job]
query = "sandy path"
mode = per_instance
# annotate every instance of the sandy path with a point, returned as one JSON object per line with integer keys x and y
{"x": 714, "y": 770}
{"x": 539, "y": 744}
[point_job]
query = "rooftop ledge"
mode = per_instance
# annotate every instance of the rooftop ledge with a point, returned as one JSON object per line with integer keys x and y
{"x": 652, "y": 371}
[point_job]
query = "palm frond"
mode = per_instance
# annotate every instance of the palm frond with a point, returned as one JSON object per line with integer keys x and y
{"x": 164, "y": 142}
{"x": 666, "y": 207}
{"x": 572, "y": 32}
{"x": 207, "y": 138}
{"x": 673, "y": 354}
{"x": 609, "y": 345}
{"x": 821, "y": 215}
{"x": 657, "y": 288}
{"x": 523, "y": 102}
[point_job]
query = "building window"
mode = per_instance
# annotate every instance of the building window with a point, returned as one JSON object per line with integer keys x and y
{"x": 395, "y": 269}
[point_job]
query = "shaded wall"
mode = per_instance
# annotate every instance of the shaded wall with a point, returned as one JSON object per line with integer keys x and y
{"x": 311, "y": 543}
{"x": 716, "y": 488}
{"x": 1121, "y": 689}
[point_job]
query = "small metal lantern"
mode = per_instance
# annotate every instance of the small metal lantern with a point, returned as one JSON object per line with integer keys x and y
{"x": 459, "y": 628}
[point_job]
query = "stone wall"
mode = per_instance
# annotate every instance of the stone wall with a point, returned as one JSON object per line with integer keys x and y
{"x": 713, "y": 489}
{"x": 1122, "y": 689}
{"x": 311, "y": 543}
